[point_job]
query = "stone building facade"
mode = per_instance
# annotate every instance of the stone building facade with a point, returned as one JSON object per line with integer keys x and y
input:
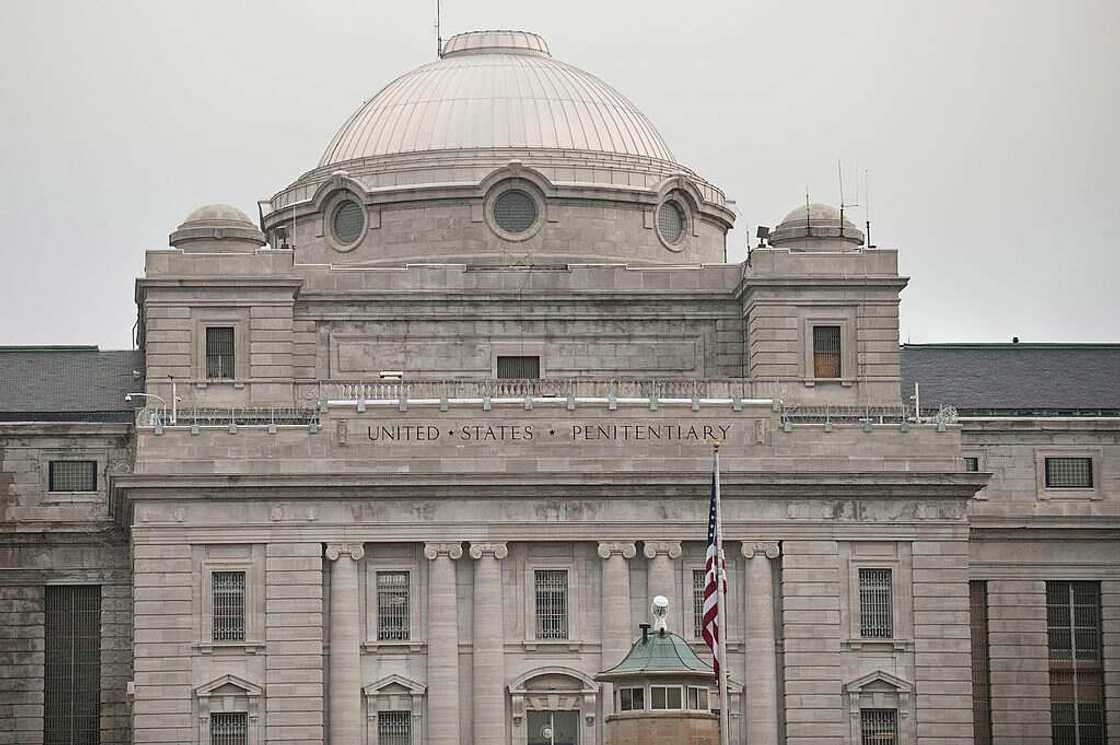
{"x": 412, "y": 455}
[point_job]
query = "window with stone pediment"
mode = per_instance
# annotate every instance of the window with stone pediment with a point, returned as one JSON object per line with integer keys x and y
{"x": 880, "y": 709}
{"x": 229, "y": 711}
{"x": 394, "y": 711}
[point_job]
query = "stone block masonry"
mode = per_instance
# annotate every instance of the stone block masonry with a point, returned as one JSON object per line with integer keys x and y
{"x": 1020, "y": 667}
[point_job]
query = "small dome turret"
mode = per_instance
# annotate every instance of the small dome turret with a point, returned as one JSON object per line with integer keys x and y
{"x": 217, "y": 228}
{"x": 816, "y": 227}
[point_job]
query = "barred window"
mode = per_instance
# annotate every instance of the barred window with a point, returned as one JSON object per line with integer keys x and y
{"x": 670, "y": 221}
{"x": 1069, "y": 473}
{"x": 72, "y": 673}
{"x": 349, "y": 220}
{"x": 698, "y": 578}
{"x": 393, "y": 619}
{"x": 72, "y": 475}
{"x": 219, "y": 352}
{"x": 878, "y": 726}
{"x": 519, "y": 368}
{"x": 981, "y": 668}
{"x": 972, "y": 464}
{"x": 515, "y": 211}
{"x": 876, "y": 607}
{"x": 826, "y": 351}
{"x": 229, "y": 728}
{"x": 229, "y": 606}
{"x": 394, "y": 728}
{"x": 552, "y": 603}
{"x": 1073, "y": 620}
{"x": 631, "y": 699}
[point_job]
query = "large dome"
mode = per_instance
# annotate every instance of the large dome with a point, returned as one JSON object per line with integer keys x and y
{"x": 496, "y": 90}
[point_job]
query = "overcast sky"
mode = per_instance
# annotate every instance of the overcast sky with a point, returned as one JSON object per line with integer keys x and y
{"x": 989, "y": 129}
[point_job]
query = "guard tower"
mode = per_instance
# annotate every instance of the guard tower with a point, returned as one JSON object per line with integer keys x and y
{"x": 662, "y": 691}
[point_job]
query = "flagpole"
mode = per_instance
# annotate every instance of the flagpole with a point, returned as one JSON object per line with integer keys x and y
{"x": 724, "y": 702}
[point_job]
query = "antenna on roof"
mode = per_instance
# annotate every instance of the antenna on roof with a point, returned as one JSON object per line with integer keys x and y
{"x": 439, "y": 35}
{"x": 840, "y": 177}
{"x": 867, "y": 206}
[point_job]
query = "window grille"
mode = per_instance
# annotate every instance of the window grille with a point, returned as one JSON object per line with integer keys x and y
{"x": 698, "y": 577}
{"x": 72, "y": 475}
{"x": 348, "y": 222}
{"x": 1073, "y": 619}
{"x": 394, "y": 728}
{"x": 393, "y": 620}
{"x": 519, "y": 368}
{"x": 876, "y": 613}
{"x": 981, "y": 670}
{"x": 878, "y": 726}
{"x": 1069, "y": 473}
{"x": 515, "y": 211}
{"x": 229, "y": 606}
{"x": 229, "y": 728}
{"x": 670, "y": 221}
{"x": 826, "y": 351}
{"x": 72, "y": 671}
{"x": 632, "y": 699}
{"x": 972, "y": 465}
{"x": 552, "y": 604}
{"x": 219, "y": 352}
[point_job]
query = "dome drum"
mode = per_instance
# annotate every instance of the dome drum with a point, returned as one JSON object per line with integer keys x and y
{"x": 217, "y": 228}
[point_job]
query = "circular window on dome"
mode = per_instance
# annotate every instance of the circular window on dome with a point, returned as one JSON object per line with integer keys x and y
{"x": 515, "y": 211}
{"x": 348, "y": 222}
{"x": 670, "y": 222}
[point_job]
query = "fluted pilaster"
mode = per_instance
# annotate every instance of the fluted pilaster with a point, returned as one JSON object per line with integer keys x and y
{"x": 345, "y": 685}
{"x": 443, "y": 644}
{"x": 759, "y": 634}
{"x": 489, "y": 664}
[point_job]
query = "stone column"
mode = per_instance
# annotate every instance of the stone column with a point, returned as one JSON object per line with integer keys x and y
{"x": 761, "y": 680}
{"x": 443, "y": 644}
{"x": 617, "y": 633}
{"x": 660, "y": 580}
{"x": 345, "y": 684}
{"x": 488, "y": 689}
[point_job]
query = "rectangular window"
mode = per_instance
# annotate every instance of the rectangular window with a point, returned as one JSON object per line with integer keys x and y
{"x": 826, "y": 351}
{"x": 519, "y": 368}
{"x": 876, "y": 608}
{"x": 631, "y": 699}
{"x": 981, "y": 670}
{"x": 72, "y": 672}
{"x": 552, "y": 603}
{"x": 393, "y": 619}
{"x": 229, "y": 606}
{"x": 1073, "y": 620}
{"x": 698, "y": 698}
{"x": 72, "y": 475}
{"x": 665, "y": 697}
{"x": 219, "y": 352}
{"x": 229, "y": 728}
{"x": 1069, "y": 473}
{"x": 878, "y": 726}
{"x": 698, "y": 578}
{"x": 394, "y": 728}
{"x": 972, "y": 464}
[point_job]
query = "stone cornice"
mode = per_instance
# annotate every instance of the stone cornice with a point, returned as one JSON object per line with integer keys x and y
{"x": 618, "y": 485}
{"x": 64, "y": 429}
{"x": 497, "y": 550}
{"x": 607, "y": 549}
{"x": 450, "y": 550}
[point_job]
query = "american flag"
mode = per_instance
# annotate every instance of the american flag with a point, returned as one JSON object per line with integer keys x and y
{"x": 710, "y": 621}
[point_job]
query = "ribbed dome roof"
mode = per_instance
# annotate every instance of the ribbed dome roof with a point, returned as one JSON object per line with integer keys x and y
{"x": 496, "y": 89}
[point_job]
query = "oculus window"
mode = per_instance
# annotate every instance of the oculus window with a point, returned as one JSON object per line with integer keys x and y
{"x": 515, "y": 211}
{"x": 348, "y": 222}
{"x": 670, "y": 222}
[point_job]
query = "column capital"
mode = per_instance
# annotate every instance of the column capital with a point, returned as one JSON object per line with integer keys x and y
{"x": 450, "y": 550}
{"x": 769, "y": 549}
{"x": 672, "y": 549}
{"x": 607, "y": 549}
{"x": 497, "y": 550}
{"x": 353, "y": 550}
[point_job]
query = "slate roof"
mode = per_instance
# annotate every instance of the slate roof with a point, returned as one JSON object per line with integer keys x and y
{"x": 68, "y": 384}
{"x": 1015, "y": 378}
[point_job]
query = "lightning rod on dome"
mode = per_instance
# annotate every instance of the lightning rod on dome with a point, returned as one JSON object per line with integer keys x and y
{"x": 439, "y": 34}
